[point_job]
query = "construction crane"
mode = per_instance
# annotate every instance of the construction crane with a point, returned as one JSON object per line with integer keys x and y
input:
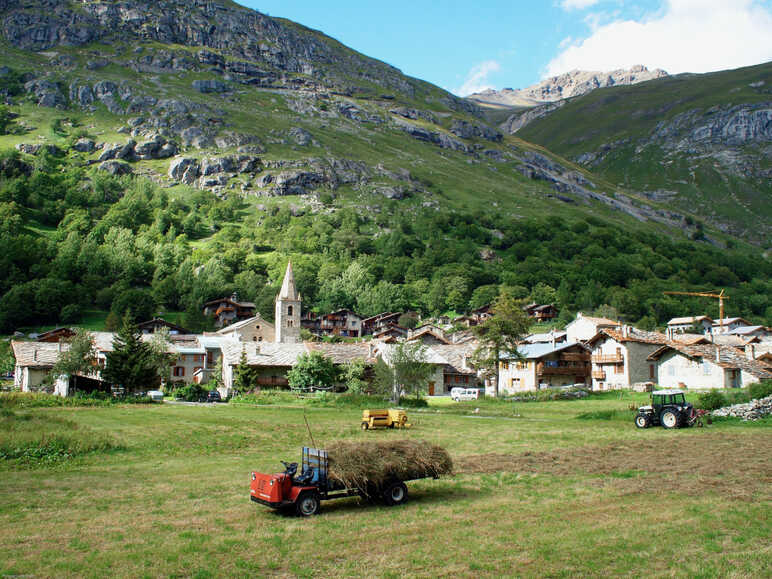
{"x": 719, "y": 296}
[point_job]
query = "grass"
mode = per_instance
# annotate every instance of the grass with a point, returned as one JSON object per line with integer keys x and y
{"x": 540, "y": 494}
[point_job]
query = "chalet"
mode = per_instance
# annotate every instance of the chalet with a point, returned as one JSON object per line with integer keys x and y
{"x": 541, "y": 313}
{"x": 374, "y": 324}
{"x": 56, "y": 335}
{"x": 705, "y": 366}
{"x": 544, "y": 365}
{"x": 726, "y": 325}
{"x": 343, "y": 323}
{"x": 619, "y": 357}
{"x": 583, "y": 327}
{"x": 156, "y": 324}
{"x": 481, "y": 314}
{"x": 254, "y": 329}
{"x": 228, "y": 310}
{"x": 390, "y": 333}
{"x": 682, "y": 325}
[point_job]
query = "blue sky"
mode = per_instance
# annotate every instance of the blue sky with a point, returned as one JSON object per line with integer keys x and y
{"x": 462, "y": 47}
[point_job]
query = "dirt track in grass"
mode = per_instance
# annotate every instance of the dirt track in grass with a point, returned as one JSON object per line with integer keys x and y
{"x": 737, "y": 465}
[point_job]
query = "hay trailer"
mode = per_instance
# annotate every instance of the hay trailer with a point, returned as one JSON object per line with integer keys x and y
{"x": 304, "y": 492}
{"x": 384, "y": 419}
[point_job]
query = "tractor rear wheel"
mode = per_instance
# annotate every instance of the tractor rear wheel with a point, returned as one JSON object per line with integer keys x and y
{"x": 669, "y": 418}
{"x": 307, "y": 504}
{"x": 395, "y": 494}
{"x": 365, "y": 426}
{"x": 642, "y": 421}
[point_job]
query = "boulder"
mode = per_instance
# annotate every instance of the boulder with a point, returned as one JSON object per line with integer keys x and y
{"x": 195, "y": 137}
{"x": 47, "y": 93}
{"x": 209, "y": 86}
{"x": 81, "y": 95}
{"x": 184, "y": 169}
{"x": 300, "y": 136}
{"x": 84, "y": 145}
{"x": 467, "y": 130}
{"x": 215, "y": 165}
{"x": 126, "y": 152}
{"x": 35, "y": 148}
{"x": 115, "y": 167}
{"x": 264, "y": 180}
{"x": 104, "y": 88}
{"x": 216, "y": 181}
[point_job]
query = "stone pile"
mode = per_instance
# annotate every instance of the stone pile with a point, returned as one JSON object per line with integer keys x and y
{"x": 752, "y": 410}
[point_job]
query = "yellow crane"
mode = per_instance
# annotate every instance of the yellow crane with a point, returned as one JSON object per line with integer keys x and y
{"x": 719, "y": 296}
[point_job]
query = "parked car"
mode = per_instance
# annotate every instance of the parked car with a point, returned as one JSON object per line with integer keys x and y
{"x": 213, "y": 396}
{"x": 156, "y": 395}
{"x": 459, "y": 394}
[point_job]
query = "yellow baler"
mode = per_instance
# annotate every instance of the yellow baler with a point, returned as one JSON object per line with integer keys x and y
{"x": 390, "y": 418}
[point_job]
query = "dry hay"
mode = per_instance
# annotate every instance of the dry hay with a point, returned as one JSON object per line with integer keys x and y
{"x": 364, "y": 465}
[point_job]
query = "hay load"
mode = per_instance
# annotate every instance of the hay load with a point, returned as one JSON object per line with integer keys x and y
{"x": 367, "y": 465}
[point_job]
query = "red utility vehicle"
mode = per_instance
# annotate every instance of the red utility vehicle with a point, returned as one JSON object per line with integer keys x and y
{"x": 305, "y": 491}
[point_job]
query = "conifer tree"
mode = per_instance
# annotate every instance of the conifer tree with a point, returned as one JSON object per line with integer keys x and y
{"x": 130, "y": 365}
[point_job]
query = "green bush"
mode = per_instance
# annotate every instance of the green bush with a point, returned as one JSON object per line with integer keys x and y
{"x": 266, "y": 397}
{"x": 191, "y": 392}
{"x": 410, "y": 402}
{"x": 760, "y": 390}
{"x": 711, "y": 400}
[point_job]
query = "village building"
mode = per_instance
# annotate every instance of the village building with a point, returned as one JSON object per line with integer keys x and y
{"x": 553, "y": 336}
{"x": 34, "y": 361}
{"x": 705, "y": 366}
{"x": 686, "y": 324}
{"x": 374, "y": 324}
{"x": 56, "y": 335}
{"x": 479, "y": 315}
{"x": 457, "y": 372}
{"x": 541, "y": 312}
{"x": 288, "y": 304}
{"x": 428, "y": 335}
{"x": 761, "y": 332}
{"x": 726, "y": 325}
{"x": 544, "y": 365}
{"x": 619, "y": 357}
{"x": 390, "y": 334}
{"x": 157, "y": 324}
{"x": 254, "y": 329}
{"x": 344, "y": 323}
{"x": 582, "y": 328}
{"x": 228, "y": 310}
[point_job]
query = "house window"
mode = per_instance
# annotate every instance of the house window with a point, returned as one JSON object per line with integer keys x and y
{"x": 651, "y": 371}
{"x": 619, "y": 369}
{"x": 705, "y": 368}
{"x": 179, "y": 371}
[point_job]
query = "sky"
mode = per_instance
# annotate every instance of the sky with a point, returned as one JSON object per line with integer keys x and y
{"x": 466, "y": 47}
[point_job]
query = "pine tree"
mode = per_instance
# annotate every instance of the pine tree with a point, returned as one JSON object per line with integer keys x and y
{"x": 130, "y": 365}
{"x": 243, "y": 375}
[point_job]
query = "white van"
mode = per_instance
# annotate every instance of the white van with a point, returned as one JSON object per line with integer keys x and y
{"x": 459, "y": 394}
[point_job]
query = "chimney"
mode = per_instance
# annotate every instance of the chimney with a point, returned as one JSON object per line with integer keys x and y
{"x": 463, "y": 362}
{"x": 35, "y": 354}
{"x": 718, "y": 353}
{"x": 750, "y": 352}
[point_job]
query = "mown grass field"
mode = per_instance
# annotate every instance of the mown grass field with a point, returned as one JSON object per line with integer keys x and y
{"x": 537, "y": 492}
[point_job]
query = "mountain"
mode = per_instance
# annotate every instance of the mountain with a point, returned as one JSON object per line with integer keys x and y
{"x": 564, "y": 86}
{"x": 154, "y": 156}
{"x": 697, "y": 142}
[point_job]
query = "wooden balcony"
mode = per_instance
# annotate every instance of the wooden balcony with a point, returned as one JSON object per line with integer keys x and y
{"x": 575, "y": 356}
{"x": 608, "y": 359}
{"x": 599, "y": 374}
{"x": 574, "y": 369}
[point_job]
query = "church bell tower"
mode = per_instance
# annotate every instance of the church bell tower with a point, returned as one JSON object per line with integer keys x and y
{"x": 288, "y": 310}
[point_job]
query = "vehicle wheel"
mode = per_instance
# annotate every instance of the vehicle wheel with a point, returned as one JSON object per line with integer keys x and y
{"x": 395, "y": 494}
{"x": 307, "y": 504}
{"x": 669, "y": 418}
{"x": 365, "y": 426}
{"x": 642, "y": 421}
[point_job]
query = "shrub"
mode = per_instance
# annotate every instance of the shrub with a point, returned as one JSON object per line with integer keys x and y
{"x": 760, "y": 389}
{"x": 711, "y": 400}
{"x": 410, "y": 402}
{"x": 191, "y": 392}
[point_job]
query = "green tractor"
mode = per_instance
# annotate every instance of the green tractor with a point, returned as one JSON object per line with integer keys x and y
{"x": 668, "y": 408}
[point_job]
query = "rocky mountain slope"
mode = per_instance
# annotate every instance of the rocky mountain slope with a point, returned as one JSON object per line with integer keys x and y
{"x": 694, "y": 141}
{"x": 565, "y": 86}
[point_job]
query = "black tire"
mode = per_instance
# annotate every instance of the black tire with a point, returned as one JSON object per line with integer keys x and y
{"x": 395, "y": 494}
{"x": 307, "y": 504}
{"x": 365, "y": 426}
{"x": 642, "y": 421}
{"x": 670, "y": 418}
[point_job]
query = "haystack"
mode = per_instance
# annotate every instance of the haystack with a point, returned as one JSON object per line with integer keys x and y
{"x": 367, "y": 465}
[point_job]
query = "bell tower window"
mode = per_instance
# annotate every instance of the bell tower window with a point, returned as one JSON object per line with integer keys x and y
{"x": 289, "y": 310}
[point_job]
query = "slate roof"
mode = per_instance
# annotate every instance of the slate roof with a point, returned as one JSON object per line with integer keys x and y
{"x": 243, "y": 323}
{"x": 541, "y": 349}
{"x": 344, "y": 353}
{"x": 688, "y": 320}
{"x": 262, "y": 353}
{"x": 634, "y": 335}
{"x": 728, "y": 357}
{"x": 743, "y": 330}
{"x": 37, "y": 354}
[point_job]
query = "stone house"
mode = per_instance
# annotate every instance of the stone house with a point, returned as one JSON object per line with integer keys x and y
{"x": 685, "y": 324}
{"x": 34, "y": 361}
{"x": 582, "y": 328}
{"x": 254, "y": 329}
{"x": 228, "y": 310}
{"x": 544, "y": 365}
{"x": 619, "y": 357}
{"x": 374, "y": 324}
{"x": 726, "y": 325}
{"x": 344, "y": 323}
{"x": 705, "y": 366}
{"x": 427, "y": 335}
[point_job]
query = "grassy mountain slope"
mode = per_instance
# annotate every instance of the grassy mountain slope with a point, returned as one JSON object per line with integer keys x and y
{"x": 386, "y": 192}
{"x": 702, "y": 142}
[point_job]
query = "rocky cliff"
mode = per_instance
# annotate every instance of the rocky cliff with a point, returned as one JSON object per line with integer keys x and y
{"x": 564, "y": 86}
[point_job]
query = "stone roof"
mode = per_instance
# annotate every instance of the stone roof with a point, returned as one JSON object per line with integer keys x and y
{"x": 541, "y": 349}
{"x": 243, "y": 323}
{"x": 38, "y": 354}
{"x": 744, "y": 330}
{"x": 633, "y": 335}
{"x": 344, "y": 353}
{"x": 728, "y": 357}
{"x": 690, "y": 338}
{"x": 688, "y": 320}
{"x": 456, "y": 356}
{"x": 262, "y": 353}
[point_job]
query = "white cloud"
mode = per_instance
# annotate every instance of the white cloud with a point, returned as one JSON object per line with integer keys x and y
{"x": 477, "y": 78}
{"x": 687, "y": 36}
{"x": 577, "y": 4}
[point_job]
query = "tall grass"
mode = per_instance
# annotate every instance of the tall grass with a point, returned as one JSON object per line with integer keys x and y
{"x": 41, "y": 400}
{"x": 38, "y": 440}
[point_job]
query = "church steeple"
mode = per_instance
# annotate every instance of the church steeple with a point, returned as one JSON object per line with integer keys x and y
{"x": 288, "y": 310}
